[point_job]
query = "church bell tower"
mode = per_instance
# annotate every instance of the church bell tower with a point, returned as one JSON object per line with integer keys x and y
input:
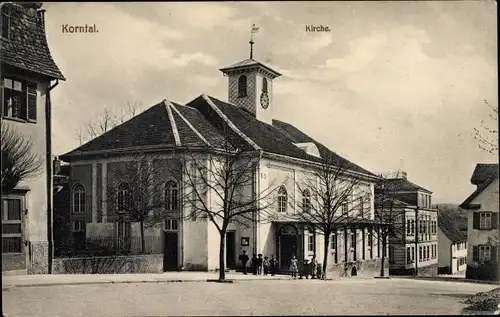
{"x": 250, "y": 85}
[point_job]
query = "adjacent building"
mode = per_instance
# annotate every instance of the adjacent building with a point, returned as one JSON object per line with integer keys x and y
{"x": 413, "y": 244}
{"x": 452, "y": 245}
{"x": 27, "y": 75}
{"x": 201, "y": 126}
{"x": 483, "y": 224}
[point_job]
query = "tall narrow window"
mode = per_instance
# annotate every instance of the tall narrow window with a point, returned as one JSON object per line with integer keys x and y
{"x": 171, "y": 196}
{"x": 5, "y": 21}
{"x": 408, "y": 227}
{"x": 306, "y": 201}
{"x": 408, "y": 255}
{"x": 242, "y": 86}
{"x": 361, "y": 207}
{"x": 282, "y": 199}
{"x": 264, "y": 85}
{"x": 412, "y": 227}
{"x": 123, "y": 197}
{"x": 78, "y": 198}
{"x": 310, "y": 240}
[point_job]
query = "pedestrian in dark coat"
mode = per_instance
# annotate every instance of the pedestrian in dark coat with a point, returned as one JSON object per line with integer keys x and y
{"x": 244, "y": 260}
{"x": 267, "y": 265}
{"x": 254, "y": 263}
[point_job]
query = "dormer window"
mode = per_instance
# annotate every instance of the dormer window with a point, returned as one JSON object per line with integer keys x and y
{"x": 19, "y": 99}
{"x": 264, "y": 85}
{"x": 242, "y": 86}
{"x": 5, "y": 22}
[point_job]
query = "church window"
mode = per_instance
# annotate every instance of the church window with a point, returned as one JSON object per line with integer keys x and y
{"x": 264, "y": 85}
{"x": 171, "y": 196}
{"x": 242, "y": 86}
{"x": 282, "y": 199}
{"x": 306, "y": 201}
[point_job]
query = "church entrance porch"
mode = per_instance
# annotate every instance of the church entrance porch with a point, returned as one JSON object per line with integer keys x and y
{"x": 289, "y": 242}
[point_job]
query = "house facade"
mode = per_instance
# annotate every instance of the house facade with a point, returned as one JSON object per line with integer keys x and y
{"x": 27, "y": 75}
{"x": 452, "y": 244}
{"x": 284, "y": 156}
{"x": 483, "y": 224}
{"x": 413, "y": 242}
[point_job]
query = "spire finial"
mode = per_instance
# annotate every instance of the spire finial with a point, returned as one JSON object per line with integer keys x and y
{"x": 254, "y": 30}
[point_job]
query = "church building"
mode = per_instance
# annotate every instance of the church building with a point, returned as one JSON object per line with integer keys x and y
{"x": 169, "y": 128}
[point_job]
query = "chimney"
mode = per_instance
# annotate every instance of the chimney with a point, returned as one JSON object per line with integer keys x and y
{"x": 57, "y": 166}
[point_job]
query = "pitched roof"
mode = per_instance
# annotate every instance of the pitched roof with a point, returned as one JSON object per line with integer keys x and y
{"x": 483, "y": 172}
{"x": 402, "y": 184}
{"x": 26, "y": 47}
{"x": 248, "y": 63}
{"x": 449, "y": 224}
{"x": 166, "y": 125}
{"x": 467, "y": 202}
{"x": 206, "y": 122}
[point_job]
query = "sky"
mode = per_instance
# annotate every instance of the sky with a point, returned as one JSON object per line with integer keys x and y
{"x": 393, "y": 85}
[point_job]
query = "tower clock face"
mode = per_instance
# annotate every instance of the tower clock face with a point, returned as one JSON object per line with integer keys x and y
{"x": 264, "y": 100}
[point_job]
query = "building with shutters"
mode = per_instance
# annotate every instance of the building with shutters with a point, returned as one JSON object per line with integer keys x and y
{"x": 452, "y": 244}
{"x": 413, "y": 244}
{"x": 286, "y": 154}
{"x": 483, "y": 236}
{"x": 27, "y": 75}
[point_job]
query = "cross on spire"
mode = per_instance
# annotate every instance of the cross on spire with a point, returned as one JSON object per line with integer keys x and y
{"x": 254, "y": 30}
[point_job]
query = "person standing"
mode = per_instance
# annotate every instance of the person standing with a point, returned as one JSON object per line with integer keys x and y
{"x": 313, "y": 266}
{"x": 244, "y": 260}
{"x": 273, "y": 265}
{"x": 267, "y": 265}
{"x": 260, "y": 264}
{"x": 294, "y": 267}
{"x": 254, "y": 264}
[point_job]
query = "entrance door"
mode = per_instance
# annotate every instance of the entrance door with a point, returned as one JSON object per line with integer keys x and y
{"x": 170, "y": 254}
{"x": 230, "y": 250}
{"x": 287, "y": 246}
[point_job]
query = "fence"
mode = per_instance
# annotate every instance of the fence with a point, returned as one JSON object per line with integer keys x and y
{"x": 107, "y": 246}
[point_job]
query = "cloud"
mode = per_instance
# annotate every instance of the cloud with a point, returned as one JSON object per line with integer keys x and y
{"x": 184, "y": 59}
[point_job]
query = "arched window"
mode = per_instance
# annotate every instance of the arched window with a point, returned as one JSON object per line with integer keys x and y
{"x": 242, "y": 86}
{"x": 264, "y": 85}
{"x": 306, "y": 201}
{"x": 123, "y": 197}
{"x": 78, "y": 198}
{"x": 171, "y": 195}
{"x": 282, "y": 199}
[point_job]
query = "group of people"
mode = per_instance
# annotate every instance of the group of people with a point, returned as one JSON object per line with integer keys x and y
{"x": 264, "y": 265}
{"x": 258, "y": 264}
{"x": 313, "y": 268}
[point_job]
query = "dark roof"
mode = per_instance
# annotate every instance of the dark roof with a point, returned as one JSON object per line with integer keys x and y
{"x": 248, "y": 63}
{"x": 208, "y": 119}
{"x": 467, "y": 203}
{"x": 153, "y": 127}
{"x": 27, "y": 48}
{"x": 402, "y": 184}
{"x": 483, "y": 172}
{"x": 449, "y": 223}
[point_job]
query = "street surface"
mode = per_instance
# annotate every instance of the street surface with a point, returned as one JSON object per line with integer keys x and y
{"x": 264, "y": 297}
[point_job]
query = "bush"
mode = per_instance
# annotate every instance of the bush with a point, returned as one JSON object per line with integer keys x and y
{"x": 484, "y": 301}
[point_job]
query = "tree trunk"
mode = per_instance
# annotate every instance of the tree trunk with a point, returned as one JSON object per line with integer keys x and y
{"x": 384, "y": 248}
{"x": 143, "y": 241}
{"x": 222, "y": 253}
{"x": 325, "y": 254}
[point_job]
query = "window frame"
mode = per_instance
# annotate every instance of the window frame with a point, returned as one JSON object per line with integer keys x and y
{"x": 306, "y": 201}
{"x": 481, "y": 253}
{"x": 4, "y": 215}
{"x": 282, "y": 199}
{"x": 171, "y": 225}
{"x": 242, "y": 86}
{"x": 123, "y": 197}
{"x": 81, "y": 198}
{"x": 82, "y": 223}
{"x": 171, "y": 195}
{"x": 28, "y": 90}
{"x": 487, "y": 216}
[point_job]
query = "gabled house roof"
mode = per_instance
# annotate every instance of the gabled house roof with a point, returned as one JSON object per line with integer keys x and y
{"x": 449, "y": 225}
{"x": 467, "y": 202}
{"x": 483, "y": 172}
{"x": 27, "y": 47}
{"x": 205, "y": 123}
{"x": 402, "y": 184}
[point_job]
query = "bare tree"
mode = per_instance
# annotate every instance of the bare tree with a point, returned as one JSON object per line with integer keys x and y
{"x": 331, "y": 197}
{"x": 107, "y": 120}
{"x": 219, "y": 186}
{"x": 131, "y": 195}
{"x": 390, "y": 213}
{"x": 487, "y": 134}
{"x": 19, "y": 160}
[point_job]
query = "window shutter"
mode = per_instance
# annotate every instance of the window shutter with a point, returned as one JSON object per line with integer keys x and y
{"x": 1, "y": 98}
{"x": 475, "y": 220}
{"x": 31, "y": 101}
{"x": 475, "y": 253}
{"x": 494, "y": 220}
{"x": 493, "y": 257}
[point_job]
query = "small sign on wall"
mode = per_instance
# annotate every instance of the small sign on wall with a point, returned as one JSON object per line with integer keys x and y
{"x": 245, "y": 241}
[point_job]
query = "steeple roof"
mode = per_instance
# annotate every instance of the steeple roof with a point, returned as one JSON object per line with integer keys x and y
{"x": 248, "y": 64}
